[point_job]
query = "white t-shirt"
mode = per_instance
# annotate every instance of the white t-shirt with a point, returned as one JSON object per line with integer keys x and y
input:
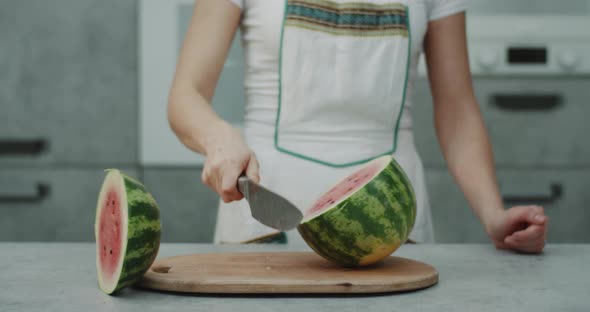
{"x": 261, "y": 27}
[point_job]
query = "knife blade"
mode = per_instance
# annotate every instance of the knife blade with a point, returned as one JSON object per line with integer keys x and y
{"x": 268, "y": 207}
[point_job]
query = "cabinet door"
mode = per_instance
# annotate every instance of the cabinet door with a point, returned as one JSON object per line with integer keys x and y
{"x": 563, "y": 194}
{"x": 454, "y": 221}
{"x": 530, "y": 121}
{"x": 49, "y": 204}
{"x": 69, "y": 82}
{"x": 188, "y": 207}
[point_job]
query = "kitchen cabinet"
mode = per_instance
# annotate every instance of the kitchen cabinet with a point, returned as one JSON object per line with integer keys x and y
{"x": 188, "y": 207}
{"x": 68, "y": 110}
{"x": 453, "y": 220}
{"x": 43, "y": 204}
{"x": 69, "y": 80}
{"x": 563, "y": 194}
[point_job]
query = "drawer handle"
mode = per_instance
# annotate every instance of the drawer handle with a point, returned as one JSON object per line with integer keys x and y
{"x": 527, "y": 102}
{"x": 541, "y": 199}
{"x": 41, "y": 192}
{"x": 22, "y": 147}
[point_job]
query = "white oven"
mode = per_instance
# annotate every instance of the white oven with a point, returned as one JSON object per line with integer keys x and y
{"x": 528, "y": 37}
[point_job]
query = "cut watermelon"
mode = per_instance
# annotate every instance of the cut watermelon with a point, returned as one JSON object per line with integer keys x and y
{"x": 365, "y": 217}
{"x": 127, "y": 232}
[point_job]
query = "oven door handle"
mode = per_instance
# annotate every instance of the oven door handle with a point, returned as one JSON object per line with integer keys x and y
{"x": 30, "y": 194}
{"x": 541, "y": 196}
{"x": 527, "y": 102}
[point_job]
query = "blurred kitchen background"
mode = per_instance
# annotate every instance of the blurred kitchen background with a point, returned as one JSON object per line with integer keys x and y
{"x": 83, "y": 87}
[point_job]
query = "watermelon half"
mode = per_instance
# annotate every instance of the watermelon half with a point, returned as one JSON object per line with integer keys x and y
{"x": 127, "y": 231}
{"x": 364, "y": 218}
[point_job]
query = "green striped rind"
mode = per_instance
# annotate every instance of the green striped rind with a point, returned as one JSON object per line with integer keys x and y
{"x": 367, "y": 226}
{"x": 143, "y": 233}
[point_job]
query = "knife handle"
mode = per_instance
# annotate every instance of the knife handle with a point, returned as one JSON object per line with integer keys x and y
{"x": 243, "y": 184}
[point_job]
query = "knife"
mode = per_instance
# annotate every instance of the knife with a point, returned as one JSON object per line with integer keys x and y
{"x": 268, "y": 207}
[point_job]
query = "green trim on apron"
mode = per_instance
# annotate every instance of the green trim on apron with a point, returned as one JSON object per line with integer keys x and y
{"x": 335, "y": 27}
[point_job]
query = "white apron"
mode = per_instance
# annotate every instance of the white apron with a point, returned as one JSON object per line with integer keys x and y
{"x": 343, "y": 72}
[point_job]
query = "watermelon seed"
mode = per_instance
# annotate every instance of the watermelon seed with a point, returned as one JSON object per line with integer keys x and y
{"x": 111, "y": 251}
{"x": 349, "y": 189}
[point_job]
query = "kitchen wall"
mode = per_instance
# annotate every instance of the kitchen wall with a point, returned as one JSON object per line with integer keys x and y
{"x": 69, "y": 109}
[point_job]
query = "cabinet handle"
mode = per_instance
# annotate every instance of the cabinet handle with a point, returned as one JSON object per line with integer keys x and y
{"x": 41, "y": 192}
{"x": 527, "y": 102}
{"x": 23, "y": 147}
{"x": 556, "y": 191}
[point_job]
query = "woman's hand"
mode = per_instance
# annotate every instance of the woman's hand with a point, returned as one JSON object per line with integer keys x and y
{"x": 227, "y": 157}
{"x": 520, "y": 228}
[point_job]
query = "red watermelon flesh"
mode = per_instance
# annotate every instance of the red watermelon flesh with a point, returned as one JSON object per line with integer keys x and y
{"x": 110, "y": 234}
{"x": 344, "y": 188}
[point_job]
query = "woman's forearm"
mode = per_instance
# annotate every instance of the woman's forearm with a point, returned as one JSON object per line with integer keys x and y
{"x": 192, "y": 118}
{"x": 464, "y": 140}
{"x": 205, "y": 48}
{"x": 459, "y": 126}
{"x": 467, "y": 150}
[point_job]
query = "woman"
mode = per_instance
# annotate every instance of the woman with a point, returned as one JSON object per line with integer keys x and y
{"x": 329, "y": 87}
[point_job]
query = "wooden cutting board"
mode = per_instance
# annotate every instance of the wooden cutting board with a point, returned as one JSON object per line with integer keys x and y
{"x": 283, "y": 272}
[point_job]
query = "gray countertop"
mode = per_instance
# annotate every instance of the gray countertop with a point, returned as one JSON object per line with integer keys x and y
{"x": 62, "y": 277}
